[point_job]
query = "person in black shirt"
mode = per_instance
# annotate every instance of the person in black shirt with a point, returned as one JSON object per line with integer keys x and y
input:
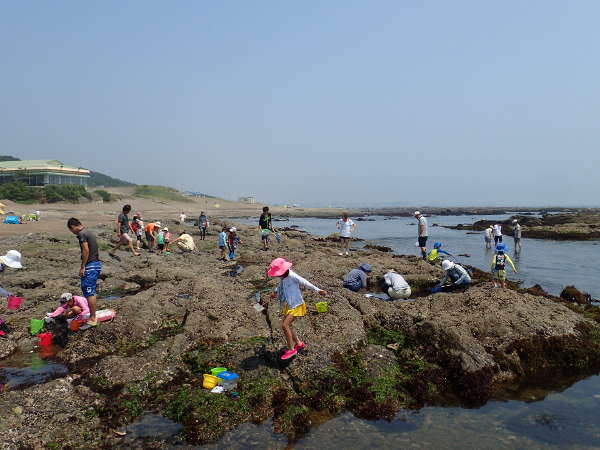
{"x": 90, "y": 269}
{"x": 123, "y": 228}
{"x": 265, "y": 226}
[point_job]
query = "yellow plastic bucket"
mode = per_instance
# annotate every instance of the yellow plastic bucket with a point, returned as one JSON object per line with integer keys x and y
{"x": 321, "y": 307}
{"x": 209, "y": 381}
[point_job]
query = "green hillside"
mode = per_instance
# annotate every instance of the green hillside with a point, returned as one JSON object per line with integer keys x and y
{"x": 99, "y": 179}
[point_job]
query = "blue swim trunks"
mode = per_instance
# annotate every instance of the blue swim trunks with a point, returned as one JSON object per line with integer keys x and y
{"x": 90, "y": 278}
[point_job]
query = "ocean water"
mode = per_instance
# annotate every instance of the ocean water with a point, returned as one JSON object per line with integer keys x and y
{"x": 534, "y": 419}
{"x": 552, "y": 264}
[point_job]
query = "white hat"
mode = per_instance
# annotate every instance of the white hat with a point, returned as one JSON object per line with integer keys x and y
{"x": 515, "y": 220}
{"x": 417, "y": 213}
{"x": 446, "y": 264}
{"x": 157, "y": 223}
{"x": 12, "y": 259}
{"x": 233, "y": 229}
{"x": 165, "y": 229}
{"x": 66, "y": 297}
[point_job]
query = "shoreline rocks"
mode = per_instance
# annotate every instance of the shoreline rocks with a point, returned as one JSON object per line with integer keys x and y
{"x": 562, "y": 227}
{"x": 364, "y": 355}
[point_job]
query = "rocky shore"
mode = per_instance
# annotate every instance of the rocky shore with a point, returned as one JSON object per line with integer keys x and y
{"x": 180, "y": 315}
{"x": 579, "y": 226}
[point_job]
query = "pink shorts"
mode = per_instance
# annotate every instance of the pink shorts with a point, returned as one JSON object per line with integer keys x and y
{"x": 125, "y": 239}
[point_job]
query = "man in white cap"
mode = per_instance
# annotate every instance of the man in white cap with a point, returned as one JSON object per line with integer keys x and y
{"x": 423, "y": 234}
{"x": 12, "y": 259}
{"x": 517, "y": 235}
{"x": 456, "y": 276}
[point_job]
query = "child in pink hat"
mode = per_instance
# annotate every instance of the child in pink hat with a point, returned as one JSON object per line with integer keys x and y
{"x": 289, "y": 293}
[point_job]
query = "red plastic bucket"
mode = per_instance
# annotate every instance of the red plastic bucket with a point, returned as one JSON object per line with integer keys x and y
{"x": 14, "y": 302}
{"x": 44, "y": 339}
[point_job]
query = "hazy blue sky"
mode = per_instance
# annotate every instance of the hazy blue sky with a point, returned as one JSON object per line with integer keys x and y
{"x": 352, "y": 102}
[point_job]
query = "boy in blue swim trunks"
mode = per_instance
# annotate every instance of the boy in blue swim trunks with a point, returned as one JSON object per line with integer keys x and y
{"x": 91, "y": 266}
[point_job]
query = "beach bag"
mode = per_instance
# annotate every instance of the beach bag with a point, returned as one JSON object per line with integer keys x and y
{"x": 13, "y": 220}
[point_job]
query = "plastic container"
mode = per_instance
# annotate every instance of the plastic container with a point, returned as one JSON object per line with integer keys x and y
{"x": 229, "y": 380}
{"x": 35, "y": 326}
{"x": 217, "y": 370}
{"x": 321, "y": 307}
{"x": 209, "y": 381}
{"x": 44, "y": 339}
{"x": 14, "y": 302}
{"x": 75, "y": 325}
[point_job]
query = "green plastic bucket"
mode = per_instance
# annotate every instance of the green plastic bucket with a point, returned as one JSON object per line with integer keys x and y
{"x": 321, "y": 307}
{"x": 217, "y": 370}
{"x": 35, "y": 326}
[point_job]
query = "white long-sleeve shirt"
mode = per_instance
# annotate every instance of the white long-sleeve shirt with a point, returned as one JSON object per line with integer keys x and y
{"x": 288, "y": 290}
{"x": 395, "y": 280}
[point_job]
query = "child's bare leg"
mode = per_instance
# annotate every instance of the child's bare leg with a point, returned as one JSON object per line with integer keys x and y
{"x": 286, "y": 326}
{"x": 295, "y": 338}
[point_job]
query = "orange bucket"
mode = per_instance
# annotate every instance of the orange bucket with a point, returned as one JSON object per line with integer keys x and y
{"x": 75, "y": 324}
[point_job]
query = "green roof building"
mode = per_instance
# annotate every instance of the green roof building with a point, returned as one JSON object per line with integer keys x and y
{"x": 41, "y": 172}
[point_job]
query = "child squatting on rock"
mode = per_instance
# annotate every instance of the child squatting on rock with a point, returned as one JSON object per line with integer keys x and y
{"x": 289, "y": 293}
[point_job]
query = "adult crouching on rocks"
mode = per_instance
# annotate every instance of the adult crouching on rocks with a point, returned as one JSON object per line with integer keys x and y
{"x": 73, "y": 307}
{"x": 185, "y": 242}
{"x": 423, "y": 233}
{"x": 91, "y": 267}
{"x": 12, "y": 259}
{"x": 395, "y": 285}
{"x": 356, "y": 279}
{"x": 456, "y": 276}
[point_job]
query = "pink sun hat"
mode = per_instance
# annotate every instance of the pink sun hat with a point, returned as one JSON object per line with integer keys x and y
{"x": 278, "y": 267}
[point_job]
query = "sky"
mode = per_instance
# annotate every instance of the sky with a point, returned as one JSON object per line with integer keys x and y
{"x": 339, "y": 102}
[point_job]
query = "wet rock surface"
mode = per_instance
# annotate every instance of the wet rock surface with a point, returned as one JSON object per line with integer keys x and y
{"x": 180, "y": 315}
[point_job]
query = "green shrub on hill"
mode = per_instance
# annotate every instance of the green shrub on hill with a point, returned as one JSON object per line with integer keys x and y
{"x": 160, "y": 193}
{"x": 20, "y": 192}
{"x": 99, "y": 179}
{"x": 105, "y": 196}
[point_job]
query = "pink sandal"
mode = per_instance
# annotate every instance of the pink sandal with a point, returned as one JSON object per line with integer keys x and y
{"x": 299, "y": 347}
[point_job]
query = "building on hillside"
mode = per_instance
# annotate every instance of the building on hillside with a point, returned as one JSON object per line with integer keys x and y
{"x": 249, "y": 200}
{"x": 42, "y": 172}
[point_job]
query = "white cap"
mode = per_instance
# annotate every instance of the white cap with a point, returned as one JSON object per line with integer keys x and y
{"x": 12, "y": 259}
{"x": 515, "y": 220}
{"x": 417, "y": 213}
{"x": 157, "y": 223}
{"x": 66, "y": 297}
{"x": 165, "y": 229}
{"x": 233, "y": 229}
{"x": 446, "y": 264}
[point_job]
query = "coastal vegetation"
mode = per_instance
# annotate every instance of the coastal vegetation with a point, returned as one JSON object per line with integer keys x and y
{"x": 160, "y": 193}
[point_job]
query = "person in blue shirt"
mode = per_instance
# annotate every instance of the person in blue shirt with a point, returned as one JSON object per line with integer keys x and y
{"x": 357, "y": 278}
{"x": 222, "y": 243}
